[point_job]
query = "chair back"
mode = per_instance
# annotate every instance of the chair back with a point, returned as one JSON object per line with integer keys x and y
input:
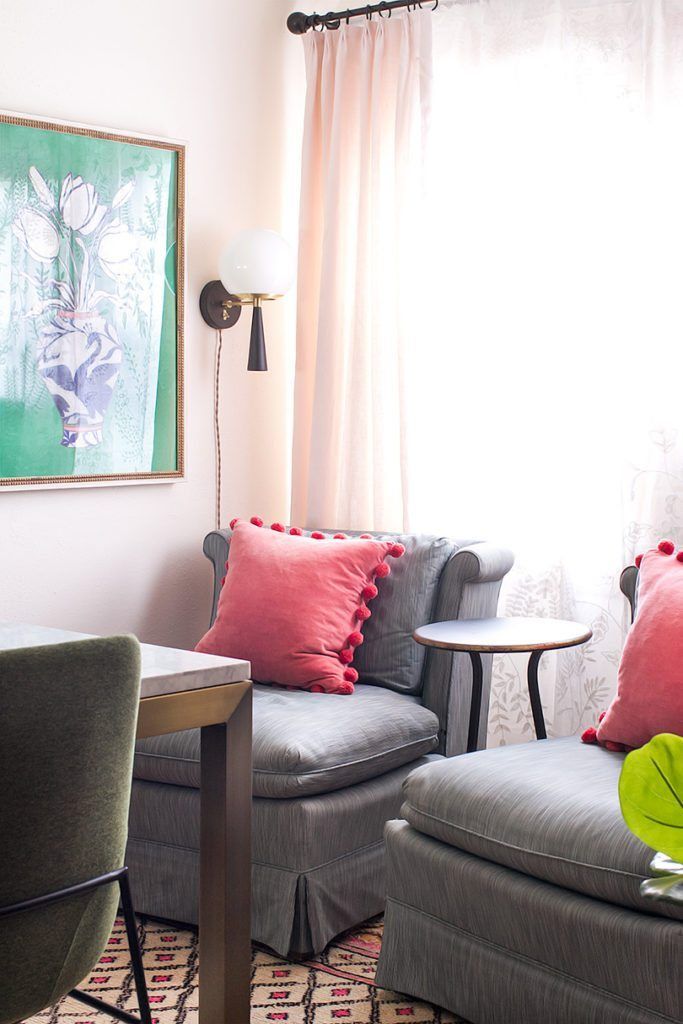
{"x": 68, "y": 714}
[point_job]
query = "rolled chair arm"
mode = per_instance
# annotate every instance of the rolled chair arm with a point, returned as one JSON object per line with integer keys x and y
{"x": 215, "y": 540}
{"x": 628, "y": 583}
{"x": 483, "y": 563}
{"x": 216, "y": 548}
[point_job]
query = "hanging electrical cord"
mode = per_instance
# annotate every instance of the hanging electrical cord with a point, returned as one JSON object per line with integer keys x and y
{"x": 217, "y": 425}
{"x": 299, "y": 23}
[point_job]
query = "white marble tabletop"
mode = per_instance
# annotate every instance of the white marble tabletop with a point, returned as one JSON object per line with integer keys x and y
{"x": 164, "y": 669}
{"x": 516, "y": 633}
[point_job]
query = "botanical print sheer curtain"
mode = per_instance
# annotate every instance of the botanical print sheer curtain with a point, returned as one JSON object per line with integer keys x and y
{"x": 542, "y": 405}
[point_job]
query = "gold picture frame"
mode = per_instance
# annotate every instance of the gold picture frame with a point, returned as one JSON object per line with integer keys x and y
{"x": 92, "y": 224}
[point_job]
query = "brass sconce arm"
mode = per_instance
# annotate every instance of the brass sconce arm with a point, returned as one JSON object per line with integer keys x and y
{"x": 221, "y": 309}
{"x": 237, "y": 301}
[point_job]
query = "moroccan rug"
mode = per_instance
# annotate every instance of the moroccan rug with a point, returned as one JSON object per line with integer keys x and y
{"x": 336, "y": 988}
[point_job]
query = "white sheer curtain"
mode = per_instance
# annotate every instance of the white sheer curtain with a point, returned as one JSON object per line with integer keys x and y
{"x": 543, "y": 406}
{"x": 547, "y": 375}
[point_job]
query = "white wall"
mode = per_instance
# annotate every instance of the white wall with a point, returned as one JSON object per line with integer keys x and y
{"x": 211, "y": 73}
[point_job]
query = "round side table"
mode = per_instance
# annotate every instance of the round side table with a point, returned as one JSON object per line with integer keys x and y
{"x": 503, "y": 636}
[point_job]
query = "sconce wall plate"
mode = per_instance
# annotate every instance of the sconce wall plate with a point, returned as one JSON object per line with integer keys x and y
{"x": 211, "y": 306}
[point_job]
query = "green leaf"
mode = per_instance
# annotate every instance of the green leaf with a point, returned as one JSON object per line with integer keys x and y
{"x": 651, "y": 794}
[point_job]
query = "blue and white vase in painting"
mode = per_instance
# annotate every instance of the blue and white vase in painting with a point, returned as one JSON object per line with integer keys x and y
{"x": 79, "y": 357}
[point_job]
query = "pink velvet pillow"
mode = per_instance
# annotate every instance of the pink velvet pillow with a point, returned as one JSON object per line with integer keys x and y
{"x": 649, "y": 696}
{"x": 294, "y": 606}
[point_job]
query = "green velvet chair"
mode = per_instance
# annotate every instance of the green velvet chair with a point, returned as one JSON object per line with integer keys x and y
{"x": 67, "y": 728}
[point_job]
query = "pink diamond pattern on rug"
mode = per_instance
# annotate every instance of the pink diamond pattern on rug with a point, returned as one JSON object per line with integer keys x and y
{"x": 336, "y": 988}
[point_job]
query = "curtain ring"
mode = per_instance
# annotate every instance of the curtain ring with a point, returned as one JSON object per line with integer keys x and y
{"x": 368, "y": 13}
{"x": 436, "y": 4}
{"x": 383, "y": 10}
{"x": 332, "y": 21}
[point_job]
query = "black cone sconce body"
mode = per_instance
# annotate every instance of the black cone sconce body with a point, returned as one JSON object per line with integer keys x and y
{"x": 257, "y": 343}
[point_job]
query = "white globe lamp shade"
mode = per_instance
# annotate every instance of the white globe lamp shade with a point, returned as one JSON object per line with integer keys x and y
{"x": 257, "y": 262}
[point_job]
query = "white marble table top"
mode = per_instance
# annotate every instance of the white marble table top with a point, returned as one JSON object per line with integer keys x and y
{"x": 164, "y": 669}
{"x": 516, "y": 633}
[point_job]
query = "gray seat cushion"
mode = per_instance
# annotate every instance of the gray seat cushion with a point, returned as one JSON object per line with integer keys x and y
{"x": 306, "y": 743}
{"x": 407, "y": 599}
{"x": 548, "y": 809}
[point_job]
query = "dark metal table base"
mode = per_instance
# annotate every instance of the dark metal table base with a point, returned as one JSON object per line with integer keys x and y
{"x": 475, "y": 702}
{"x": 534, "y": 695}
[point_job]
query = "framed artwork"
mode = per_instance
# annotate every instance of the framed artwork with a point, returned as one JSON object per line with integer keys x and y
{"x": 91, "y": 305}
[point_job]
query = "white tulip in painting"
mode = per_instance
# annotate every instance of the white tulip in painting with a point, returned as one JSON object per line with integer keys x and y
{"x": 115, "y": 249}
{"x": 79, "y": 205}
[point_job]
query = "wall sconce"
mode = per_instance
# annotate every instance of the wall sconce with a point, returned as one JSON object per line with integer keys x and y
{"x": 256, "y": 267}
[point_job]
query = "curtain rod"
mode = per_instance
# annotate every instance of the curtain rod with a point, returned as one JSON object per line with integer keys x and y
{"x": 299, "y": 23}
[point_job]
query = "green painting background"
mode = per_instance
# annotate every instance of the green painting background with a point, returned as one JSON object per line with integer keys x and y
{"x": 30, "y": 433}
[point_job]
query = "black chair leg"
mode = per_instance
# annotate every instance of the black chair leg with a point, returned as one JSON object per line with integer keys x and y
{"x": 136, "y": 960}
{"x": 135, "y": 953}
{"x": 99, "y": 1004}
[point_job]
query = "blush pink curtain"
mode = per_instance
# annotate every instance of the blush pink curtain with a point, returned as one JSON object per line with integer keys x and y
{"x": 366, "y": 113}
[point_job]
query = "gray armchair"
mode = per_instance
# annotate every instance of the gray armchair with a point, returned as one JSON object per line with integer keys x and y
{"x": 514, "y": 891}
{"x": 328, "y": 769}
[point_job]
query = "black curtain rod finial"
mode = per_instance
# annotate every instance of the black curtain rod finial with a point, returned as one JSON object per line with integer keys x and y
{"x": 297, "y": 23}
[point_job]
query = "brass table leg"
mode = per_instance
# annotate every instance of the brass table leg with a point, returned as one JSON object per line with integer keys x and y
{"x": 225, "y": 870}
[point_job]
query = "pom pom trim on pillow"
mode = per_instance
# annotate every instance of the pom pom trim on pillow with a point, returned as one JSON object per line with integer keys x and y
{"x": 368, "y": 593}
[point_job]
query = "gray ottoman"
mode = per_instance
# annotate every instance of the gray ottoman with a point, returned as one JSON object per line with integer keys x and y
{"x": 513, "y": 894}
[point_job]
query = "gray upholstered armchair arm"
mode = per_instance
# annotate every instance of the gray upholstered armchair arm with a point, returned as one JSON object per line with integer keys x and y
{"x": 484, "y": 562}
{"x": 216, "y": 547}
{"x": 469, "y": 589}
